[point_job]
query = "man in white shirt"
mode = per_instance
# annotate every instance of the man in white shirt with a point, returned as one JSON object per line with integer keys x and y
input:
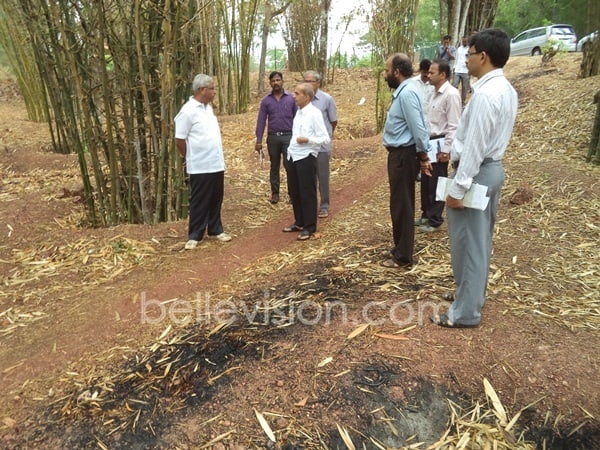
{"x": 198, "y": 139}
{"x": 326, "y": 104}
{"x": 308, "y": 135}
{"x": 424, "y": 88}
{"x": 442, "y": 117}
{"x": 479, "y": 144}
{"x": 461, "y": 72}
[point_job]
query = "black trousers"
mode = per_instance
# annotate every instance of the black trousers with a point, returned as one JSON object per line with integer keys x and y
{"x": 302, "y": 182}
{"x": 402, "y": 170}
{"x": 431, "y": 209}
{"x": 206, "y": 198}
{"x": 277, "y": 148}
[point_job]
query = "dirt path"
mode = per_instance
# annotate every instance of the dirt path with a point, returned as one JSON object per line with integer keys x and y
{"x": 106, "y": 317}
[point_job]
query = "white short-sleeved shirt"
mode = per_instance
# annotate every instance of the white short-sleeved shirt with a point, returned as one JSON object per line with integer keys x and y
{"x": 198, "y": 125}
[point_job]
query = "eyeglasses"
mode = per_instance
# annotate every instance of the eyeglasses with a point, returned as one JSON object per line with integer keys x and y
{"x": 310, "y": 81}
{"x": 473, "y": 53}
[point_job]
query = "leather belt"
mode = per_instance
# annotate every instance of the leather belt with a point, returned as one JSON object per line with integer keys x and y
{"x": 280, "y": 133}
{"x": 406, "y": 147}
{"x": 483, "y": 163}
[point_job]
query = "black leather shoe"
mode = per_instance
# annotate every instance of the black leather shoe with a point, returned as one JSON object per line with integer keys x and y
{"x": 304, "y": 235}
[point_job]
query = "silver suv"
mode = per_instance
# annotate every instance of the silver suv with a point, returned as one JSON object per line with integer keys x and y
{"x": 531, "y": 42}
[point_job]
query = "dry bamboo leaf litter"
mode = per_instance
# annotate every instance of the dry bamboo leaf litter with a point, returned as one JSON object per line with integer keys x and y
{"x": 482, "y": 428}
{"x": 40, "y": 270}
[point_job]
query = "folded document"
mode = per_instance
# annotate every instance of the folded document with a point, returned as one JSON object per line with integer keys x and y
{"x": 435, "y": 146}
{"x": 476, "y": 197}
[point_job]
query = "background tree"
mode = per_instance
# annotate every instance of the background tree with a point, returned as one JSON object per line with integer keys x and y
{"x": 515, "y": 16}
{"x": 238, "y": 21}
{"x": 304, "y": 30}
{"x": 594, "y": 150}
{"x": 392, "y": 29}
{"x": 270, "y": 10}
{"x": 276, "y": 59}
{"x": 393, "y": 26}
{"x": 427, "y": 29}
{"x": 19, "y": 53}
{"x": 481, "y": 15}
{"x": 464, "y": 16}
{"x": 590, "y": 62}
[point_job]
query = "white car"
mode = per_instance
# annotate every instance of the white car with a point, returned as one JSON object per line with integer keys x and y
{"x": 531, "y": 42}
{"x": 586, "y": 41}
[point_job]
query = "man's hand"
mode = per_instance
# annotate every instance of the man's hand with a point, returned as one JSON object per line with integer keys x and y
{"x": 443, "y": 157}
{"x": 426, "y": 167}
{"x": 302, "y": 140}
{"x": 455, "y": 203}
{"x": 258, "y": 147}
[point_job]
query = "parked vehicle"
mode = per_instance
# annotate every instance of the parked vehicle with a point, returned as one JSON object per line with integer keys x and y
{"x": 586, "y": 41}
{"x": 531, "y": 42}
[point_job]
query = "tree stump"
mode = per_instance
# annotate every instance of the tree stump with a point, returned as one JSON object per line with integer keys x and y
{"x": 590, "y": 63}
{"x": 594, "y": 152}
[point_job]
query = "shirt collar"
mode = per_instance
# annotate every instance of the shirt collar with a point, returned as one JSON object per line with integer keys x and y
{"x": 284, "y": 93}
{"x": 443, "y": 87}
{"x": 197, "y": 103}
{"x": 399, "y": 88}
{"x": 488, "y": 76}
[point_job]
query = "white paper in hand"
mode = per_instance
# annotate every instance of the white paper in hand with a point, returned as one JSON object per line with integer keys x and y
{"x": 476, "y": 197}
{"x": 435, "y": 147}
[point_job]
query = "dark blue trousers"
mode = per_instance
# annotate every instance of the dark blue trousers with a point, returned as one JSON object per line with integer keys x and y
{"x": 302, "y": 182}
{"x": 206, "y": 198}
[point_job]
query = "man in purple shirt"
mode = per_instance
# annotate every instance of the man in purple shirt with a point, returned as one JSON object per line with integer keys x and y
{"x": 277, "y": 110}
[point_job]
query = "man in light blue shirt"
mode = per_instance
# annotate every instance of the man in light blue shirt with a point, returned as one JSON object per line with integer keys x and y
{"x": 406, "y": 138}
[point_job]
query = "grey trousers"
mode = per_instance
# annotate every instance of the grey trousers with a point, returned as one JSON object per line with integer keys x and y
{"x": 462, "y": 78}
{"x": 471, "y": 232}
{"x": 323, "y": 177}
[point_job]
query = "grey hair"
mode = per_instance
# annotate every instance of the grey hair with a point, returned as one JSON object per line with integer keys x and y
{"x": 307, "y": 89}
{"x": 201, "y": 81}
{"x": 314, "y": 73}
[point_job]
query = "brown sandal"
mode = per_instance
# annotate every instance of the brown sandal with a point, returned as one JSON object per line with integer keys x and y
{"x": 391, "y": 264}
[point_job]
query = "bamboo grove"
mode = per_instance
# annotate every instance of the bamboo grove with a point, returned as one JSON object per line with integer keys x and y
{"x": 111, "y": 76}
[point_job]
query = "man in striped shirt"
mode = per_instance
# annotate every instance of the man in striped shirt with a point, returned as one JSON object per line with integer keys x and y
{"x": 479, "y": 144}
